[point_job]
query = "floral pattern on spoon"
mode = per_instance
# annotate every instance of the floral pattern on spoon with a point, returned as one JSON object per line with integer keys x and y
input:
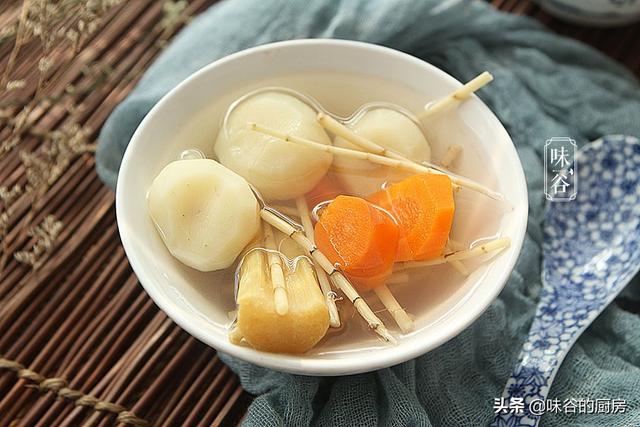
{"x": 591, "y": 251}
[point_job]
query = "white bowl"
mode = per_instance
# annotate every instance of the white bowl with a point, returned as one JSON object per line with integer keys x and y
{"x": 341, "y": 75}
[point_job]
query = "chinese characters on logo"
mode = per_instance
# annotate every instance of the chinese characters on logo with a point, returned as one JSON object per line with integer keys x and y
{"x": 561, "y": 172}
{"x": 537, "y": 407}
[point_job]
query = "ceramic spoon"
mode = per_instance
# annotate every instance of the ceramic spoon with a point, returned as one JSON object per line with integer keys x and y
{"x": 591, "y": 251}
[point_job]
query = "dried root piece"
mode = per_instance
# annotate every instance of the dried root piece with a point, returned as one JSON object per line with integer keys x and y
{"x": 457, "y": 96}
{"x": 258, "y": 322}
{"x": 457, "y": 264}
{"x": 485, "y": 248}
{"x": 329, "y": 295}
{"x": 361, "y": 306}
{"x": 276, "y": 272}
{"x": 388, "y": 159}
{"x": 291, "y": 229}
{"x": 399, "y": 315}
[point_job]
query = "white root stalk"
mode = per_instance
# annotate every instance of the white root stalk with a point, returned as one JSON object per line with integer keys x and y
{"x": 338, "y": 279}
{"x": 397, "y": 312}
{"x": 451, "y": 155}
{"x": 287, "y": 210}
{"x": 337, "y": 128}
{"x": 457, "y": 264}
{"x": 277, "y": 273}
{"x": 329, "y": 295}
{"x": 398, "y": 278}
{"x": 483, "y": 249}
{"x": 390, "y": 158}
{"x": 456, "y": 246}
{"x": 456, "y": 97}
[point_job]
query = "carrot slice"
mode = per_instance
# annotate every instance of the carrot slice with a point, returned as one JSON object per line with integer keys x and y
{"x": 326, "y": 189}
{"x": 360, "y": 238}
{"x": 423, "y": 206}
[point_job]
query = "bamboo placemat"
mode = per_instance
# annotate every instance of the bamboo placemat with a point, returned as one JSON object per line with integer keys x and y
{"x": 80, "y": 341}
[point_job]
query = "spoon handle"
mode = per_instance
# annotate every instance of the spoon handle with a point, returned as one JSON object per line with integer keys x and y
{"x": 556, "y": 326}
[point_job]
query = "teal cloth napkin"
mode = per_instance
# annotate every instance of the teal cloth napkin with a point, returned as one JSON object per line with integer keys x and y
{"x": 545, "y": 85}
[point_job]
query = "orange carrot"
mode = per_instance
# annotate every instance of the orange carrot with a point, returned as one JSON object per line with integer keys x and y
{"x": 360, "y": 238}
{"x": 423, "y": 207}
{"x": 326, "y": 189}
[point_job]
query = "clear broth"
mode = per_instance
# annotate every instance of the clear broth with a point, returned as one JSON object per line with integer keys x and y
{"x": 430, "y": 292}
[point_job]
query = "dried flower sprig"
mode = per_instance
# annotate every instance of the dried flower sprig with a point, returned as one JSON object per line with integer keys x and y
{"x": 5, "y": 221}
{"x": 45, "y": 234}
{"x": 49, "y": 25}
{"x": 49, "y": 21}
{"x": 8, "y": 32}
{"x": 10, "y": 195}
{"x": 9, "y": 144}
{"x": 15, "y": 84}
{"x": 45, "y": 167}
{"x": 42, "y": 169}
{"x": 173, "y": 15}
{"x": 20, "y": 38}
{"x": 96, "y": 72}
{"x": 18, "y": 124}
{"x": 52, "y": 22}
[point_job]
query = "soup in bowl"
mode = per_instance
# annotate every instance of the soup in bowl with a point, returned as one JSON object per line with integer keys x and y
{"x": 292, "y": 205}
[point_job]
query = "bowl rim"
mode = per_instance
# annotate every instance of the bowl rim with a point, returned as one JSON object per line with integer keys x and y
{"x": 376, "y": 359}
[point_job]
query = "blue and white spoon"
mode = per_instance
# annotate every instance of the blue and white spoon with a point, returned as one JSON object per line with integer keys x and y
{"x": 591, "y": 251}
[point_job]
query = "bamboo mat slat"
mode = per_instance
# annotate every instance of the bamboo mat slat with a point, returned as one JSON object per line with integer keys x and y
{"x": 81, "y": 325}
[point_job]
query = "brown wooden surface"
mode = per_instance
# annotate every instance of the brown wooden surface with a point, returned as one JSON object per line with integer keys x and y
{"x": 83, "y": 316}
